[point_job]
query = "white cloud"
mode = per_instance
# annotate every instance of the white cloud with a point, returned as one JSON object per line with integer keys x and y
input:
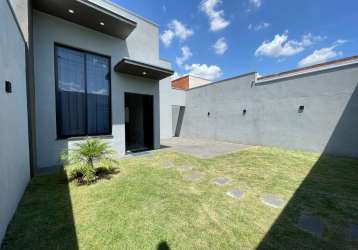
{"x": 167, "y": 37}
{"x": 164, "y": 8}
{"x": 211, "y": 72}
{"x": 185, "y": 55}
{"x": 175, "y": 29}
{"x": 216, "y": 17}
{"x": 322, "y": 55}
{"x": 340, "y": 42}
{"x": 309, "y": 39}
{"x": 220, "y": 46}
{"x": 256, "y": 3}
{"x": 175, "y": 76}
{"x": 280, "y": 46}
{"x": 259, "y": 27}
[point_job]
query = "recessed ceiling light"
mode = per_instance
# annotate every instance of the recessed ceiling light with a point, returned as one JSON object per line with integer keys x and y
{"x": 101, "y": 23}
{"x": 71, "y": 11}
{"x": 144, "y": 73}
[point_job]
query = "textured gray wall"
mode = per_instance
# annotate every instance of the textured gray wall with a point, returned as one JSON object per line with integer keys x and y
{"x": 14, "y": 151}
{"x": 168, "y": 97}
{"x": 328, "y": 124}
{"x": 49, "y": 29}
{"x": 20, "y": 8}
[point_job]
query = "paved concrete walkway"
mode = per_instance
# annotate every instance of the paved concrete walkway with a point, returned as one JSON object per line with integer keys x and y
{"x": 200, "y": 148}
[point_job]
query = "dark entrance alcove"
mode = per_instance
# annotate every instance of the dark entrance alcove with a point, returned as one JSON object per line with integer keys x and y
{"x": 139, "y": 122}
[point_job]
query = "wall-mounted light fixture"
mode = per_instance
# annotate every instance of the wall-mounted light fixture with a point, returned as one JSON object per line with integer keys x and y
{"x": 208, "y": 114}
{"x": 244, "y": 112}
{"x": 101, "y": 23}
{"x": 8, "y": 88}
{"x": 71, "y": 11}
{"x": 301, "y": 108}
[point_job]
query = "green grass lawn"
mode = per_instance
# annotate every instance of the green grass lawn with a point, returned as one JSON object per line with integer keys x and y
{"x": 146, "y": 206}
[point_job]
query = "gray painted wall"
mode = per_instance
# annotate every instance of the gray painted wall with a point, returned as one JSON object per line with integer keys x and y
{"x": 168, "y": 97}
{"x": 328, "y": 124}
{"x": 20, "y": 8}
{"x": 14, "y": 151}
{"x": 47, "y": 31}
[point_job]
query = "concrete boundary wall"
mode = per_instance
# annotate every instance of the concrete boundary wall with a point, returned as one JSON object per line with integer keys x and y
{"x": 328, "y": 122}
{"x": 14, "y": 146}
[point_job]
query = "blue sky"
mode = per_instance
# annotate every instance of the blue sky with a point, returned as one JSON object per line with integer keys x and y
{"x": 265, "y": 36}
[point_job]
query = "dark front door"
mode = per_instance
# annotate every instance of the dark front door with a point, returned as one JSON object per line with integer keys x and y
{"x": 139, "y": 122}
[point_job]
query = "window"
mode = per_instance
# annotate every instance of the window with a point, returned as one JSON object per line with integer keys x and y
{"x": 82, "y": 93}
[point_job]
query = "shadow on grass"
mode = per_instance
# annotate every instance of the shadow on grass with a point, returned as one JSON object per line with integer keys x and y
{"x": 163, "y": 246}
{"x": 107, "y": 174}
{"x": 102, "y": 173}
{"x": 44, "y": 218}
{"x": 329, "y": 192}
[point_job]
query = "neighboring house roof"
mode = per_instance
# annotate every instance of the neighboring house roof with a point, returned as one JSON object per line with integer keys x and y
{"x": 189, "y": 81}
{"x": 181, "y": 82}
{"x": 312, "y": 68}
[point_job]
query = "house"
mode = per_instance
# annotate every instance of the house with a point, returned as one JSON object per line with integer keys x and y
{"x": 189, "y": 81}
{"x": 73, "y": 69}
{"x": 94, "y": 77}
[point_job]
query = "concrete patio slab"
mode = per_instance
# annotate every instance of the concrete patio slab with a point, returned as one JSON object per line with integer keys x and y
{"x": 311, "y": 223}
{"x": 138, "y": 154}
{"x": 201, "y": 148}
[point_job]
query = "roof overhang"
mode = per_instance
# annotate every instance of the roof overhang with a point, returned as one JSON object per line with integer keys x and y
{"x": 88, "y": 14}
{"x": 137, "y": 68}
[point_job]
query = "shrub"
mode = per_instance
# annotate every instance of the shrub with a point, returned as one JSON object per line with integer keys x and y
{"x": 89, "y": 160}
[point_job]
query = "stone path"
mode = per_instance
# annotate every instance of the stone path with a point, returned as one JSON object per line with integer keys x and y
{"x": 273, "y": 201}
{"x": 311, "y": 223}
{"x": 235, "y": 193}
{"x": 221, "y": 180}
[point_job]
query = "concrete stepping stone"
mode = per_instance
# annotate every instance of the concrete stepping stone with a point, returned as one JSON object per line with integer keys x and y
{"x": 221, "y": 180}
{"x": 273, "y": 201}
{"x": 184, "y": 168}
{"x": 354, "y": 231}
{"x": 311, "y": 223}
{"x": 235, "y": 193}
{"x": 167, "y": 164}
{"x": 194, "y": 176}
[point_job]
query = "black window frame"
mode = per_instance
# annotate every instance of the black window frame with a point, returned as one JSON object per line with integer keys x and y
{"x": 58, "y": 104}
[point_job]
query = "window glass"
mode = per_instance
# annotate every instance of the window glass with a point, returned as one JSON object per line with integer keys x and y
{"x": 71, "y": 86}
{"x": 97, "y": 94}
{"x": 83, "y": 93}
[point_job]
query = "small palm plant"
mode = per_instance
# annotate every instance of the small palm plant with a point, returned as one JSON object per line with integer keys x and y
{"x": 89, "y": 159}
